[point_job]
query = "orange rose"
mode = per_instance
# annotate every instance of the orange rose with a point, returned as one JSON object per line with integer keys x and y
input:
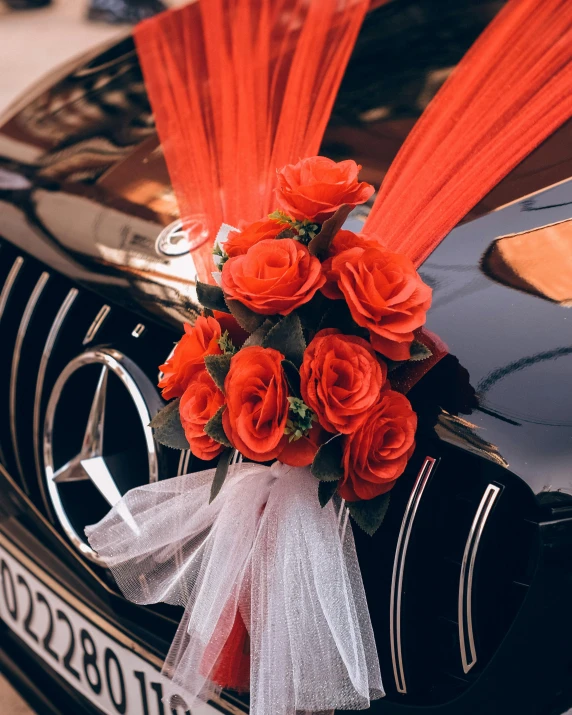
{"x": 316, "y": 187}
{"x": 377, "y": 453}
{"x": 273, "y": 277}
{"x": 384, "y": 293}
{"x": 257, "y": 403}
{"x": 199, "y": 403}
{"x": 340, "y": 380}
{"x": 348, "y": 239}
{"x": 188, "y": 356}
{"x": 238, "y": 244}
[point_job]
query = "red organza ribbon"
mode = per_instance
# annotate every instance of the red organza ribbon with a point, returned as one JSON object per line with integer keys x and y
{"x": 509, "y": 93}
{"x": 240, "y": 88}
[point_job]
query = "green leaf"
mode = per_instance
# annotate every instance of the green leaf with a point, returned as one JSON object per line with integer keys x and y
{"x": 287, "y": 233}
{"x": 292, "y": 377}
{"x": 221, "y": 472}
{"x": 369, "y": 514}
{"x": 246, "y": 318}
{"x": 393, "y": 364}
{"x": 327, "y": 464}
{"x": 257, "y": 337}
{"x": 218, "y": 367}
{"x": 214, "y": 428}
{"x": 419, "y": 351}
{"x": 320, "y": 244}
{"x": 338, "y": 316}
{"x": 311, "y": 313}
{"x": 211, "y": 297}
{"x": 287, "y": 337}
{"x": 326, "y": 491}
{"x": 167, "y": 427}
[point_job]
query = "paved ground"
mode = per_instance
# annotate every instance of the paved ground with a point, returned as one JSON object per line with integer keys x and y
{"x": 31, "y": 43}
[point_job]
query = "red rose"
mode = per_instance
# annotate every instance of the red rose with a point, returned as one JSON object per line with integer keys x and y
{"x": 377, "y": 453}
{"x": 384, "y": 293}
{"x": 188, "y": 356}
{"x": 199, "y": 403}
{"x": 340, "y": 380}
{"x": 239, "y": 243}
{"x": 316, "y": 187}
{"x": 257, "y": 403}
{"x": 273, "y": 277}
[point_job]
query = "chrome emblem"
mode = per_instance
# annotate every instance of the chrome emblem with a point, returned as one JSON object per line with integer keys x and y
{"x": 91, "y": 463}
{"x": 173, "y": 240}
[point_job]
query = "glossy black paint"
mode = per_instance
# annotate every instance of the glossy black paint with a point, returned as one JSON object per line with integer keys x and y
{"x": 84, "y": 193}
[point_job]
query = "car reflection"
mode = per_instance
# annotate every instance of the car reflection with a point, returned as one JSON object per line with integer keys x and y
{"x": 537, "y": 262}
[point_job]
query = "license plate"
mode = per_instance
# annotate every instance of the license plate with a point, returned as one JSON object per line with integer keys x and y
{"x": 115, "y": 678}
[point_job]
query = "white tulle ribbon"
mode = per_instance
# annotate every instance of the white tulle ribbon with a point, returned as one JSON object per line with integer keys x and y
{"x": 266, "y": 547}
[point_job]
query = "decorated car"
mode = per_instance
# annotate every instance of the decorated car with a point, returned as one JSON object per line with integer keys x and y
{"x": 316, "y": 395}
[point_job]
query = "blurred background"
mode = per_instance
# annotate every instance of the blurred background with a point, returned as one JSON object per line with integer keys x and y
{"x": 37, "y": 35}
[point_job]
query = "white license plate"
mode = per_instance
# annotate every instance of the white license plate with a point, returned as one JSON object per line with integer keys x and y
{"x": 113, "y": 677}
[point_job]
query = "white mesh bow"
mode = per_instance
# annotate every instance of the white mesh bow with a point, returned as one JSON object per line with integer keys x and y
{"x": 266, "y": 547}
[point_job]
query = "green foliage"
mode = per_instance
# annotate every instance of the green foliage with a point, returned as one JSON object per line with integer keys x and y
{"x": 320, "y": 244}
{"x": 226, "y": 345}
{"x": 326, "y": 491}
{"x": 246, "y": 318}
{"x": 327, "y": 464}
{"x": 300, "y": 419}
{"x": 288, "y": 338}
{"x": 167, "y": 427}
{"x": 211, "y": 297}
{"x": 292, "y": 377}
{"x": 218, "y": 367}
{"x": 215, "y": 430}
{"x": 369, "y": 514}
{"x": 220, "y": 473}
{"x": 419, "y": 351}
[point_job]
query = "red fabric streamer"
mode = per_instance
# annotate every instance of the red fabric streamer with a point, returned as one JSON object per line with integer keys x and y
{"x": 509, "y": 93}
{"x": 232, "y": 669}
{"x": 239, "y": 88}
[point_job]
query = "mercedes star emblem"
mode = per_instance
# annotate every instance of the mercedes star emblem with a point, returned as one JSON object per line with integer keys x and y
{"x": 90, "y": 463}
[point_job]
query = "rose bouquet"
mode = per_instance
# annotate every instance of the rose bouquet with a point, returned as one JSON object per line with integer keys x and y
{"x": 292, "y": 356}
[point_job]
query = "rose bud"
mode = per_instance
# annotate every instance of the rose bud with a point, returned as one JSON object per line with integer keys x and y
{"x": 340, "y": 379}
{"x": 188, "y": 356}
{"x": 377, "y": 453}
{"x": 384, "y": 293}
{"x": 273, "y": 277}
{"x": 238, "y": 243}
{"x": 199, "y": 403}
{"x": 257, "y": 403}
{"x": 316, "y": 187}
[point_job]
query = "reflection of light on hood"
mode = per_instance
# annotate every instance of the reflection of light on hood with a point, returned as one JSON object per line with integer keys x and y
{"x": 461, "y": 432}
{"x": 11, "y": 181}
{"x": 537, "y": 262}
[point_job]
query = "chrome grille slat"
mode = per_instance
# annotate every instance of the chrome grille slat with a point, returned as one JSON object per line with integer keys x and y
{"x": 465, "y": 603}
{"x": 9, "y": 284}
{"x": 97, "y": 323}
{"x": 22, "y": 330}
{"x": 46, "y": 353}
{"x": 399, "y": 569}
